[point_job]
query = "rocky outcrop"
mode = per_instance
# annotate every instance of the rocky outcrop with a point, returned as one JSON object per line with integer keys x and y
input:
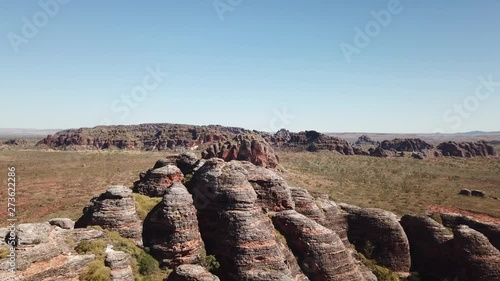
{"x": 378, "y": 235}
{"x": 431, "y": 247}
{"x": 155, "y": 182}
{"x": 171, "y": 229}
{"x": 380, "y": 152}
{"x": 16, "y": 142}
{"x": 409, "y": 145}
{"x": 311, "y": 141}
{"x": 321, "y": 253}
{"x": 334, "y": 218}
{"x": 490, "y": 230}
{"x": 273, "y": 193}
{"x": 120, "y": 264}
{"x": 113, "y": 210}
{"x": 244, "y": 148}
{"x": 160, "y": 137}
{"x": 64, "y": 223}
{"x": 467, "y": 149}
{"x": 233, "y": 225}
{"x": 366, "y": 140}
{"x": 191, "y": 272}
{"x": 44, "y": 252}
{"x": 477, "y": 259}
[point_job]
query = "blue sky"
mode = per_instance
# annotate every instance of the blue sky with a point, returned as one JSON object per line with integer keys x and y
{"x": 258, "y": 64}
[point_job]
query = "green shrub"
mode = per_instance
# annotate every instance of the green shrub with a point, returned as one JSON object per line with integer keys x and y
{"x": 147, "y": 264}
{"x": 4, "y": 253}
{"x": 209, "y": 262}
{"x": 144, "y": 204}
{"x": 96, "y": 272}
{"x": 382, "y": 273}
{"x": 96, "y": 247}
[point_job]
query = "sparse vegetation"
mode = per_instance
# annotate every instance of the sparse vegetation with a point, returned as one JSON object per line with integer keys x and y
{"x": 96, "y": 271}
{"x": 4, "y": 253}
{"x": 382, "y": 273}
{"x": 210, "y": 262}
{"x": 400, "y": 185}
{"x": 145, "y": 204}
{"x": 95, "y": 247}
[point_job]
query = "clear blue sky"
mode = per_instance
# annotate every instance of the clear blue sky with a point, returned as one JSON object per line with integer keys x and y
{"x": 259, "y": 58}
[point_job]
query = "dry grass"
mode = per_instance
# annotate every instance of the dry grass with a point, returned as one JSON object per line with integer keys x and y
{"x": 401, "y": 185}
{"x": 60, "y": 183}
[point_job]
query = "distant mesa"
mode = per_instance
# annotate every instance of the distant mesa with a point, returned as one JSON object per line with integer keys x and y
{"x": 232, "y": 143}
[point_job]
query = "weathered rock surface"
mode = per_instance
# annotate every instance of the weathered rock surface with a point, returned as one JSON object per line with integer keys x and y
{"x": 171, "y": 229}
{"x": 44, "y": 252}
{"x": 335, "y": 218}
{"x": 114, "y": 210}
{"x": 233, "y": 225}
{"x": 273, "y": 193}
{"x": 431, "y": 247}
{"x": 380, "y": 152}
{"x": 409, "y": 145}
{"x": 245, "y": 148}
{"x": 144, "y": 136}
{"x": 465, "y": 192}
{"x": 120, "y": 264}
{"x": 16, "y": 142}
{"x": 321, "y": 253}
{"x": 64, "y": 223}
{"x": 478, "y": 259}
{"x": 191, "y": 272}
{"x": 366, "y": 140}
{"x": 378, "y": 235}
{"x": 309, "y": 139}
{"x": 467, "y": 149}
{"x": 490, "y": 230}
{"x": 155, "y": 182}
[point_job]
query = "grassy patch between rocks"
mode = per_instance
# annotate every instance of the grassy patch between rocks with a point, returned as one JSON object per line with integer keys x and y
{"x": 144, "y": 204}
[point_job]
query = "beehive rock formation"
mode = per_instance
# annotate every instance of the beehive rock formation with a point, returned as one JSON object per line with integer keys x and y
{"x": 273, "y": 193}
{"x": 155, "y": 182}
{"x": 478, "y": 259}
{"x": 322, "y": 254}
{"x": 171, "y": 229}
{"x": 490, "y": 230}
{"x": 234, "y": 227}
{"x": 378, "y": 235}
{"x": 120, "y": 265}
{"x": 244, "y": 148}
{"x": 113, "y": 210}
{"x": 431, "y": 246}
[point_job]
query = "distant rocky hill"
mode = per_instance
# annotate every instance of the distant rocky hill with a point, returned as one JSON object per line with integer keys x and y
{"x": 145, "y": 136}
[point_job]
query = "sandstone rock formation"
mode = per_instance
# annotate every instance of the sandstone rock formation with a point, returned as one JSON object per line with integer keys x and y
{"x": 114, "y": 210}
{"x": 191, "y": 272}
{"x": 120, "y": 265}
{"x": 245, "y": 148}
{"x": 145, "y": 136}
{"x": 321, "y": 253}
{"x": 171, "y": 229}
{"x": 44, "y": 253}
{"x": 64, "y": 223}
{"x": 273, "y": 193}
{"x": 409, "y": 145}
{"x": 431, "y": 246}
{"x": 378, "y": 235}
{"x": 366, "y": 140}
{"x": 310, "y": 140}
{"x": 467, "y": 149}
{"x": 155, "y": 182}
{"x": 16, "y": 142}
{"x": 234, "y": 227}
{"x": 490, "y": 230}
{"x": 477, "y": 258}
